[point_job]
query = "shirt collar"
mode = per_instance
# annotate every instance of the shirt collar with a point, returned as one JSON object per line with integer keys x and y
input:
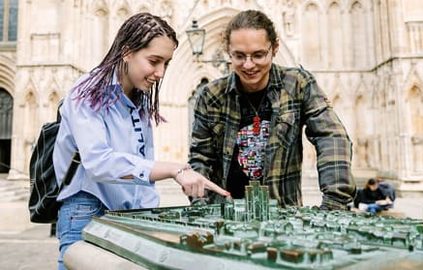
{"x": 118, "y": 90}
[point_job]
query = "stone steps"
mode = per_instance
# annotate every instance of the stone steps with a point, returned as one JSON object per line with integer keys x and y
{"x": 14, "y": 214}
{"x": 11, "y": 191}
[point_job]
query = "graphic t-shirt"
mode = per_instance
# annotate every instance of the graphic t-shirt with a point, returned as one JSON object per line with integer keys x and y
{"x": 248, "y": 157}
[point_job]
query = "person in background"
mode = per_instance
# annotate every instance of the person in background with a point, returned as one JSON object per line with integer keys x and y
{"x": 387, "y": 189}
{"x": 107, "y": 118}
{"x": 248, "y": 125}
{"x": 372, "y": 199}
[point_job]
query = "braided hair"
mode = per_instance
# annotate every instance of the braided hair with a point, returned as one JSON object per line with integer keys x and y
{"x": 134, "y": 34}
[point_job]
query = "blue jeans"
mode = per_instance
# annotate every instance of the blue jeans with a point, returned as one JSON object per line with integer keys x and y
{"x": 374, "y": 208}
{"x": 74, "y": 214}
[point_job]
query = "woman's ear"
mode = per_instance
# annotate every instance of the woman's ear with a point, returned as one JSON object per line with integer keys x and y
{"x": 125, "y": 58}
{"x": 125, "y": 53}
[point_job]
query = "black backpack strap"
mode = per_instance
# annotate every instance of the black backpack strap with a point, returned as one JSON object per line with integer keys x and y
{"x": 76, "y": 160}
{"x": 58, "y": 116}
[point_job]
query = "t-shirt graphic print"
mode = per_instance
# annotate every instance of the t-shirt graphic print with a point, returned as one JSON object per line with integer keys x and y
{"x": 251, "y": 149}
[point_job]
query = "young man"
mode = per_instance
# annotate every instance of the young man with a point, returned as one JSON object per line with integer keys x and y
{"x": 248, "y": 125}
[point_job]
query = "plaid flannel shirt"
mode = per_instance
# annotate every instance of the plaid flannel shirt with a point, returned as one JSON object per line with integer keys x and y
{"x": 296, "y": 101}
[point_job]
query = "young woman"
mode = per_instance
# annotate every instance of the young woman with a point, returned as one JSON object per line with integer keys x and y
{"x": 106, "y": 117}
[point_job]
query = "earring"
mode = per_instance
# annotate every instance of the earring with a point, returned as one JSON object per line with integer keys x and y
{"x": 125, "y": 67}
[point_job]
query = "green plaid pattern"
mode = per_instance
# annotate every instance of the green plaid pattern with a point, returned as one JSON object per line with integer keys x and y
{"x": 296, "y": 101}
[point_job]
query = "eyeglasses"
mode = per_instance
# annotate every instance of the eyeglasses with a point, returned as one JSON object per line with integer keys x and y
{"x": 259, "y": 57}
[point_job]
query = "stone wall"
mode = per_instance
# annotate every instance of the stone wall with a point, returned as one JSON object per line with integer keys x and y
{"x": 367, "y": 55}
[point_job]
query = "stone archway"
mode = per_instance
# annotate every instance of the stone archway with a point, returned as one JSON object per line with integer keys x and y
{"x": 7, "y": 98}
{"x": 6, "y": 116}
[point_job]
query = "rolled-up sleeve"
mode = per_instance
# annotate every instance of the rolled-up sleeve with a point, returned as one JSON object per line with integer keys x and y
{"x": 202, "y": 154}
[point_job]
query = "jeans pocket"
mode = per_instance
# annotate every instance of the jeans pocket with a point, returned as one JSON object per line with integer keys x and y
{"x": 71, "y": 222}
{"x": 87, "y": 210}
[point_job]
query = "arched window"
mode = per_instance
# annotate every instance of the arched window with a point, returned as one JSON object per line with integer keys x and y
{"x": 101, "y": 29}
{"x": 30, "y": 126}
{"x": 53, "y": 102}
{"x": 6, "y": 110}
{"x": 311, "y": 36}
{"x": 415, "y": 104}
{"x": 358, "y": 30}
{"x": 416, "y": 107}
{"x": 8, "y": 20}
{"x": 363, "y": 129}
{"x": 335, "y": 36}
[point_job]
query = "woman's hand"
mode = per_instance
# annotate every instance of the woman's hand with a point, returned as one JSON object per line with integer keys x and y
{"x": 193, "y": 183}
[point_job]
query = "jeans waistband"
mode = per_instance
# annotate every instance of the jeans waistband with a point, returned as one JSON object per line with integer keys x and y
{"x": 81, "y": 195}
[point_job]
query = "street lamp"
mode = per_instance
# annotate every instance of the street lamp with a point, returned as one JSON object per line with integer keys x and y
{"x": 196, "y": 37}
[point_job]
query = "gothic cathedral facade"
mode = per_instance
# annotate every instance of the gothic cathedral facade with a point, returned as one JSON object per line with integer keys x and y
{"x": 367, "y": 55}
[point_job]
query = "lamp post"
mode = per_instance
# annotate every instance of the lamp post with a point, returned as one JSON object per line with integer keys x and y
{"x": 196, "y": 37}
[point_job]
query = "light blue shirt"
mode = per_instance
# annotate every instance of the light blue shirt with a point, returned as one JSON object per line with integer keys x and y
{"x": 112, "y": 143}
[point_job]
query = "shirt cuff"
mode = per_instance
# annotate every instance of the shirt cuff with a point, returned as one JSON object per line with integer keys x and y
{"x": 142, "y": 172}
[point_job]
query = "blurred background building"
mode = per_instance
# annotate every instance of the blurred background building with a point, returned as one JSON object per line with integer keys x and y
{"x": 367, "y": 55}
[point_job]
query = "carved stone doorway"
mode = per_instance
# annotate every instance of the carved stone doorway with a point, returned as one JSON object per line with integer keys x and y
{"x": 6, "y": 115}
